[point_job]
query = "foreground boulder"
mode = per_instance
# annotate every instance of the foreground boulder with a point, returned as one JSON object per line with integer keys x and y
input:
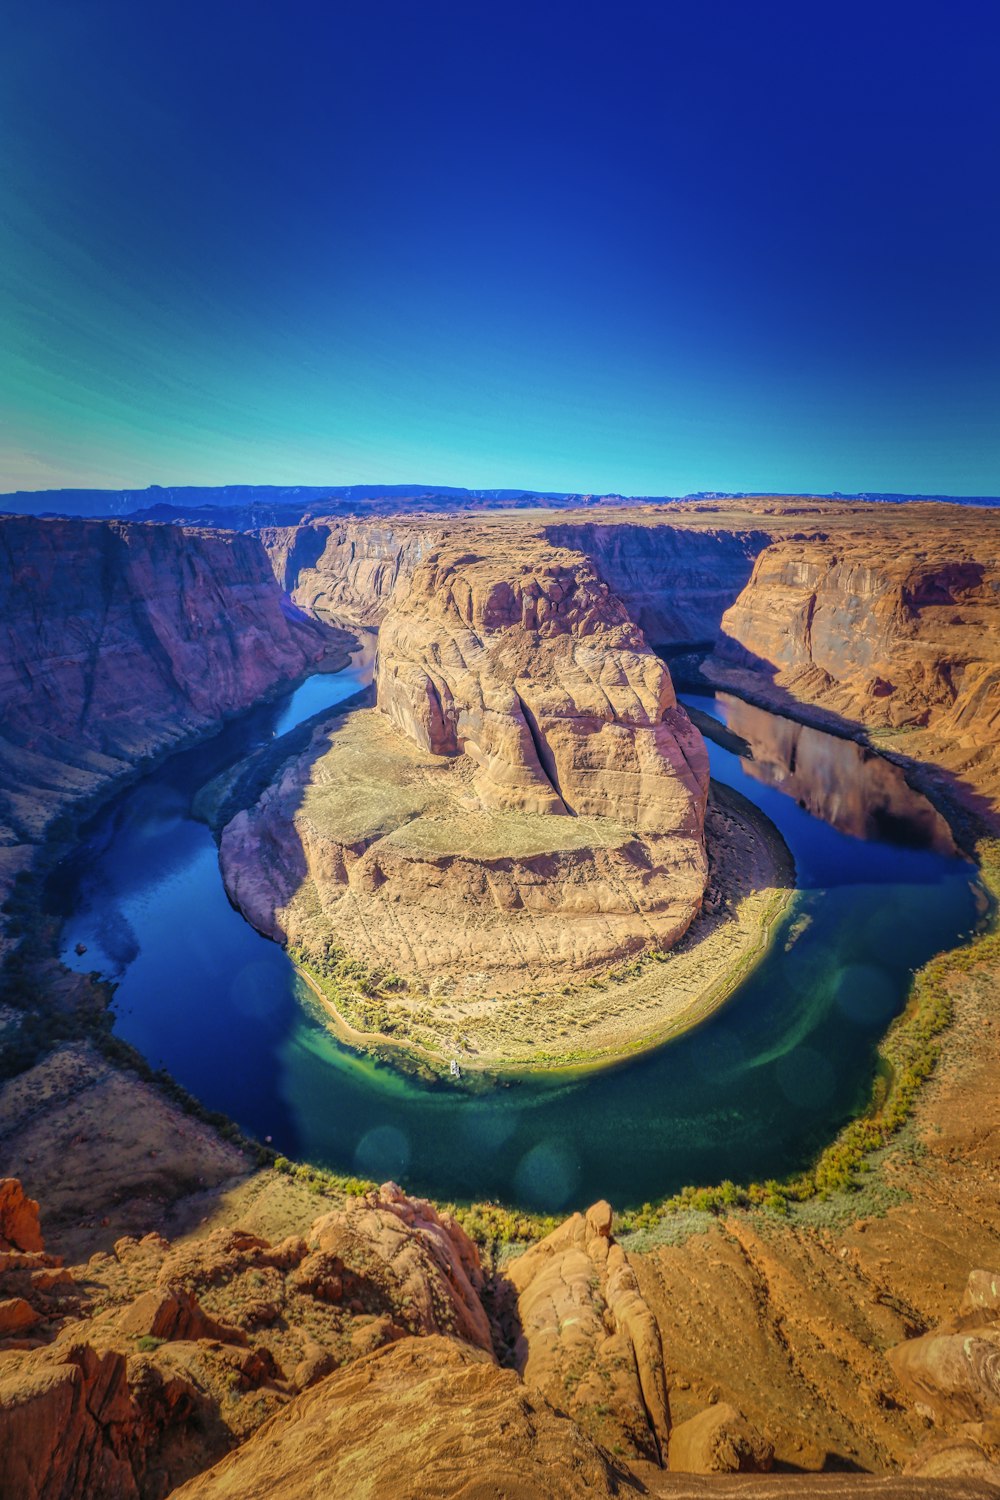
{"x": 719, "y": 1440}
{"x": 423, "y": 1419}
{"x": 952, "y": 1376}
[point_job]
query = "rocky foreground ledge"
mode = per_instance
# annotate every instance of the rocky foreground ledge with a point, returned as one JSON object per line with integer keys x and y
{"x": 373, "y": 1354}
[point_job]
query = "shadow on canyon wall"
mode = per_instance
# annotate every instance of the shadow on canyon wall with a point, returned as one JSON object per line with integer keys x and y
{"x": 731, "y": 668}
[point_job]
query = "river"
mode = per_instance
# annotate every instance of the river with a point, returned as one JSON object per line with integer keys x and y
{"x": 752, "y": 1093}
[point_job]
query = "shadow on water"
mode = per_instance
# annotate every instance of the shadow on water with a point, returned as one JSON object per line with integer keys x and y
{"x": 752, "y": 1093}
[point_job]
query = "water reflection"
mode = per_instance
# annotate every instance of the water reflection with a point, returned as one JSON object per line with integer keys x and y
{"x": 847, "y": 785}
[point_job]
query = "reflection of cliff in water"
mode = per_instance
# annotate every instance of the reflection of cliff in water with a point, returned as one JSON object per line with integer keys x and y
{"x": 850, "y": 787}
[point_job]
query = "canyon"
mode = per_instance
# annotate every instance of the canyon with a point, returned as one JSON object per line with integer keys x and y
{"x": 520, "y": 807}
{"x": 877, "y": 620}
{"x": 120, "y": 642}
{"x": 518, "y": 665}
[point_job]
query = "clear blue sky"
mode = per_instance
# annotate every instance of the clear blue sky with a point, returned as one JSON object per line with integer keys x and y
{"x": 645, "y": 247}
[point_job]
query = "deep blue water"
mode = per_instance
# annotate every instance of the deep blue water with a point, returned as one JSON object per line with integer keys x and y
{"x": 751, "y": 1093}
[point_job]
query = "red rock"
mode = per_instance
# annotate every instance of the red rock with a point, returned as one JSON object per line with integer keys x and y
{"x": 175, "y": 1314}
{"x": 421, "y": 1419}
{"x": 386, "y": 1247}
{"x": 719, "y": 1440}
{"x": 15, "y": 1316}
{"x": 120, "y": 639}
{"x": 583, "y": 1335}
{"x": 20, "y": 1228}
{"x": 956, "y": 1376}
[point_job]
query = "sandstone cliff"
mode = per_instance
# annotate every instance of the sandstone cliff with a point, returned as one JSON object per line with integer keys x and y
{"x": 118, "y": 642}
{"x": 521, "y": 657}
{"x": 901, "y": 637}
{"x": 676, "y": 582}
{"x": 529, "y": 799}
{"x": 346, "y": 571}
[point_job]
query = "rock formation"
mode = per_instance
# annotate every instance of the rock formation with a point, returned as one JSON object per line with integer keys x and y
{"x": 675, "y": 581}
{"x": 952, "y": 1374}
{"x": 898, "y": 637}
{"x": 347, "y": 571}
{"x": 881, "y": 615}
{"x": 131, "y": 1372}
{"x": 422, "y": 1420}
{"x": 581, "y": 1333}
{"x": 118, "y": 1379}
{"x": 530, "y": 665}
{"x": 537, "y": 808}
{"x": 719, "y": 1440}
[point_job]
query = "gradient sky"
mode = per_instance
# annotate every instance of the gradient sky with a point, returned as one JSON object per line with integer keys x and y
{"x": 639, "y": 247}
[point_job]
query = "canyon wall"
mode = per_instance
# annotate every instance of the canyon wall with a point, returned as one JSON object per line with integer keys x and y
{"x": 675, "y": 582}
{"x": 119, "y": 640}
{"x": 895, "y": 634}
{"x": 347, "y": 570}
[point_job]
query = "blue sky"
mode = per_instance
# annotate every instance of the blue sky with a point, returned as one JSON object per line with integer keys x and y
{"x": 649, "y": 248}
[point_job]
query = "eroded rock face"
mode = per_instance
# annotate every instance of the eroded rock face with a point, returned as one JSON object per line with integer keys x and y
{"x": 675, "y": 583}
{"x": 118, "y": 641}
{"x": 531, "y": 666}
{"x": 529, "y": 799}
{"x": 123, "y": 1378}
{"x": 422, "y": 1418}
{"x": 898, "y": 632}
{"x": 427, "y": 1267}
{"x": 347, "y": 571}
{"x": 952, "y": 1375}
{"x": 581, "y": 1333}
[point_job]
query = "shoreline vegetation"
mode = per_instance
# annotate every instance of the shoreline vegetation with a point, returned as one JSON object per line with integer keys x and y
{"x": 908, "y": 1055}
{"x": 636, "y": 1006}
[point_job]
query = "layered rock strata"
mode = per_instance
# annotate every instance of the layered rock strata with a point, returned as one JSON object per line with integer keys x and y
{"x": 528, "y": 799}
{"x": 676, "y": 582}
{"x": 900, "y": 638}
{"x": 119, "y": 640}
{"x": 531, "y": 666}
{"x": 424, "y": 1419}
{"x": 127, "y": 1375}
{"x": 882, "y": 616}
{"x": 347, "y": 571}
{"x": 952, "y": 1375}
